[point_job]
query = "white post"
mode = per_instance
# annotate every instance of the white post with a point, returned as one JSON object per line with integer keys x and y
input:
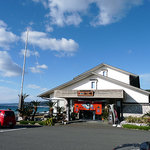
{"x": 21, "y": 93}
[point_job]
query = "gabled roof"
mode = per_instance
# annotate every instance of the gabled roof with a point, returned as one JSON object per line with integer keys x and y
{"x": 109, "y": 66}
{"x": 90, "y": 73}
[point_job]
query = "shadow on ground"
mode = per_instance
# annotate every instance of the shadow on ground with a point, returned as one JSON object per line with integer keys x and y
{"x": 135, "y": 146}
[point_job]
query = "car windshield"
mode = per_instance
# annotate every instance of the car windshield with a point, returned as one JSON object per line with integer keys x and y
{"x": 9, "y": 113}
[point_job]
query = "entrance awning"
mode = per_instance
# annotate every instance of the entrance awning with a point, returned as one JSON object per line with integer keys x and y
{"x": 119, "y": 94}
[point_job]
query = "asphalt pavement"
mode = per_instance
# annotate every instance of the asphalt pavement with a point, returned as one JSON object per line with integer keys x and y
{"x": 76, "y": 136}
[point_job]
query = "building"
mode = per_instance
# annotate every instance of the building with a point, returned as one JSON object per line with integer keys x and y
{"x": 101, "y": 85}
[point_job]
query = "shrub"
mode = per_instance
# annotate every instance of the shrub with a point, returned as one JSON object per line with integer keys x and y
{"x": 105, "y": 114}
{"x": 24, "y": 122}
{"x": 32, "y": 122}
{"x": 147, "y": 120}
{"x": 42, "y": 123}
{"x": 131, "y": 119}
{"x": 136, "y": 127}
{"x": 49, "y": 122}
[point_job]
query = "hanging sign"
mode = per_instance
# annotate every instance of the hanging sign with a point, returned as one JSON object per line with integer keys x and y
{"x": 85, "y": 93}
{"x": 97, "y": 107}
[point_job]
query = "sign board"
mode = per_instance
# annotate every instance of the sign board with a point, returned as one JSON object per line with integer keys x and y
{"x": 85, "y": 93}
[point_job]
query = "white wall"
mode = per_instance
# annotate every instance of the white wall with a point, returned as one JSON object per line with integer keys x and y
{"x": 115, "y": 74}
{"x": 85, "y": 84}
{"x": 131, "y": 95}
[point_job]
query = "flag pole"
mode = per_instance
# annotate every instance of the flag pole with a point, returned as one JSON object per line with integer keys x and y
{"x": 21, "y": 100}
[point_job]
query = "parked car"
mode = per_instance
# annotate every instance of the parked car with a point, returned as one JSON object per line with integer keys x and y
{"x": 7, "y": 118}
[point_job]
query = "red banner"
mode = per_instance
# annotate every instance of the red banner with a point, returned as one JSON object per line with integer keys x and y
{"x": 96, "y": 106}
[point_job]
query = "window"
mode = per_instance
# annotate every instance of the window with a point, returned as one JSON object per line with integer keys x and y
{"x": 105, "y": 73}
{"x": 9, "y": 113}
{"x": 93, "y": 85}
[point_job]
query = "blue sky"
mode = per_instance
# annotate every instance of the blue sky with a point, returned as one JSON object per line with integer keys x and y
{"x": 68, "y": 37}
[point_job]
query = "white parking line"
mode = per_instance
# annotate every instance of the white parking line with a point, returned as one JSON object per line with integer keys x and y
{"x": 10, "y": 130}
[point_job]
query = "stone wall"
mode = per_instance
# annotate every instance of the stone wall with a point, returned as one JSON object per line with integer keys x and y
{"x": 135, "y": 109}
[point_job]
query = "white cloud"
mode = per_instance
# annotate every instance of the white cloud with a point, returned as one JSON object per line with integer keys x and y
{"x": 63, "y": 54}
{"x": 8, "y": 68}
{"x": 33, "y": 86}
{"x": 44, "y": 89}
{"x": 146, "y": 76}
{"x": 44, "y": 2}
{"x": 37, "y": 68}
{"x": 31, "y": 23}
{"x": 8, "y": 95}
{"x": 29, "y": 53}
{"x": 145, "y": 80}
{"x": 66, "y": 12}
{"x": 6, "y": 81}
{"x": 42, "y": 66}
{"x": 3, "y": 24}
{"x": 69, "y": 12}
{"x": 6, "y": 37}
{"x": 42, "y": 40}
{"x": 111, "y": 11}
{"x": 48, "y": 28}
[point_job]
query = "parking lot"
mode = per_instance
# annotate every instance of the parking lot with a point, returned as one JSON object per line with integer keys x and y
{"x": 69, "y": 137}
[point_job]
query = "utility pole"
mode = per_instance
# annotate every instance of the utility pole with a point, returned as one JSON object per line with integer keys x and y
{"x": 21, "y": 100}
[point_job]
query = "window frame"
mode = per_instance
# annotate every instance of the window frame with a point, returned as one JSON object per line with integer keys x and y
{"x": 93, "y": 84}
{"x": 105, "y": 72}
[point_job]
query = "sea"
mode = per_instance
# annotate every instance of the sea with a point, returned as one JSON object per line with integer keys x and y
{"x": 14, "y": 107}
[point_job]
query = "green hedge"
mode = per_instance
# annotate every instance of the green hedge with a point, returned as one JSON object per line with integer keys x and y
{"x": 129, "y": 126}
{"x": 23, "y": 122}
{"x": 42, "y": 123}
{"x": 31, "y": 122}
